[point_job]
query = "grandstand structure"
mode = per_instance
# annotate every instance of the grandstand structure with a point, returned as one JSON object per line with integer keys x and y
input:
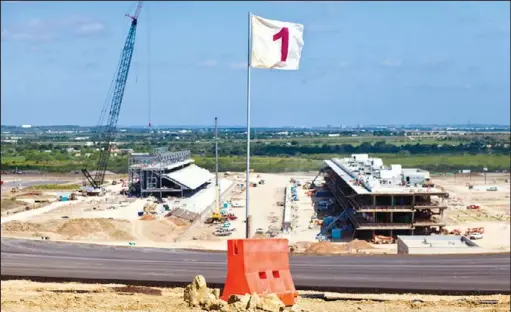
{"x": 165, "y": 173}
{"x": 383, "y": 200}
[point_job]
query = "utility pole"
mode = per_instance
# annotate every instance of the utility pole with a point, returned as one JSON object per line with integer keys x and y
{"x": 216, "y": 166}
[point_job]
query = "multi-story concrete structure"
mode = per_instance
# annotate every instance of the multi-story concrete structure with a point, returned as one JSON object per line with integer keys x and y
{"x": 384, "y": 200}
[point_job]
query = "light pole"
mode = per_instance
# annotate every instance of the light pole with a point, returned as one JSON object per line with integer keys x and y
{"x": 485, "y": 170}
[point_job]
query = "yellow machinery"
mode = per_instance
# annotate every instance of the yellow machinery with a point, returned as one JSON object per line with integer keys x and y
{"x": 216, "y": 217}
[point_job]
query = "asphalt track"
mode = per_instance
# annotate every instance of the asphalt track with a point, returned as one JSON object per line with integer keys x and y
{"x": 55, "y": 261}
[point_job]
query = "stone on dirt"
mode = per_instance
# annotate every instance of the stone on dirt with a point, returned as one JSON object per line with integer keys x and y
{"x": 238, "y": 303}
{"x": 198, "y": 294}
{"x": 270, "y": 303}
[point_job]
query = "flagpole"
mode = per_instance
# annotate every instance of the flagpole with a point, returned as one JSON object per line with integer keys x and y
{"x": 247, "y": 186}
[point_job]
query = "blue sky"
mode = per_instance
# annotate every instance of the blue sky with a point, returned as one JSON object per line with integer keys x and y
{"x": 362, "y": 63}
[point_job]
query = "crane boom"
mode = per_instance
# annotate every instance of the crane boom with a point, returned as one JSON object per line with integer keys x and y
{"x": 107, "y": 133}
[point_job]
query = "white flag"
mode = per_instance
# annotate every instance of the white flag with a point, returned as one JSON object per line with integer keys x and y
{"x": 275, "y": 44}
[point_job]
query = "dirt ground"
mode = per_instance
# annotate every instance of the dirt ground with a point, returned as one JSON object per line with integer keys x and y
{"x": 495, "y": 206}
{"x": 27, "y": 296}
{"x": 113, "y": 219}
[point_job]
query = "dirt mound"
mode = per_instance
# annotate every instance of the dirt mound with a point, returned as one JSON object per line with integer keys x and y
{"x": 17, "y": 226}
{"x": 332, "y": 248}
{"x": 178, "y": 221}
{"x": 259, "y": 236}
{"x": 358, "y": 244}
{"x": 138, "y": 290}
{"x": 148, "y": 217}
{"x": 95, "y": 229}
{"x": 206, "y": 236}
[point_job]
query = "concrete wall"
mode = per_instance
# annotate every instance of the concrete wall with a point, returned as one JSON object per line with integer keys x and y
{"x": 401, "y": 247}
{"x": 411, "y": 247}
{"x": 446, "y": 251}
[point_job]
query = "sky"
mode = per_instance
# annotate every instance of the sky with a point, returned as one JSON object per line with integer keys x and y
{"x": 362, "y": 63}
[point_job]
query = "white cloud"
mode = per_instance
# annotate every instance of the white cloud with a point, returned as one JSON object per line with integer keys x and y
{"x": 90, "y": 28}
{"x": 40, "y": 30}
{"x": 239, "y": 65}
{"x": 208, "y": 63}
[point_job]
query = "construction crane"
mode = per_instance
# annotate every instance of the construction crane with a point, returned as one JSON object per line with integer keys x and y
{"x": 106, "y": 134}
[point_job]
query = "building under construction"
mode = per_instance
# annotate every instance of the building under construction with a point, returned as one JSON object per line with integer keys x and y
{"x": 373, "y": 199}
{"x": 165, "y": 173}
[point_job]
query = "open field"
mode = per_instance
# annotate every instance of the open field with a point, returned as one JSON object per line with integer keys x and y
{"x": 294, "y": 163}
{"x": 27, "y": 296}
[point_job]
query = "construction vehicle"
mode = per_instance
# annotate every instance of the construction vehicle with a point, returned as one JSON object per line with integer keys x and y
{"x": 455, "y": 232}
{"x": 476, "y": 236}
{"x": 222, "y": 232}
{"x": 473, "y": 207}
{"x": 381, "y": 239}
{"x": 105, "y": 134}
{"x": 470, "y": 231}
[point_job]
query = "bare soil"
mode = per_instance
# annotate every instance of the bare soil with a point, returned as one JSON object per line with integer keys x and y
{"x": 27, "y": 296}
{"x": 334, "y": 248}
{"x": 74, "y": 229}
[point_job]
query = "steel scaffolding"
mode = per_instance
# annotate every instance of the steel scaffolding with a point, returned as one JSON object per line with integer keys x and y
{"x": 145, "y": 171}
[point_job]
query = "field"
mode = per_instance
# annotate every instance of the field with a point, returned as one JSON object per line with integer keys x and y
{"x": 27, "y": 296}
{"x": 434, "y": 163}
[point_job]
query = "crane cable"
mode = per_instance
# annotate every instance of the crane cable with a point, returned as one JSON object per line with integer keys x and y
{"x": 148, "y": 65}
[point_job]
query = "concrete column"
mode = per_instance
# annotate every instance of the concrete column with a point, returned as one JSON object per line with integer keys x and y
{"x": 392, "y": 203}
{"x": 374, "y": 201}
{"x": 413, "y": 200}
{"x": 391, "y": 217}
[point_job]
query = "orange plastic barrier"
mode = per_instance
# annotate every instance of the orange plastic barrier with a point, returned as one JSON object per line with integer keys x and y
{"x": 259, "y": 266}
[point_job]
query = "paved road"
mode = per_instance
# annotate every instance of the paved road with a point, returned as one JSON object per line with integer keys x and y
{"x": 463, "y": 273}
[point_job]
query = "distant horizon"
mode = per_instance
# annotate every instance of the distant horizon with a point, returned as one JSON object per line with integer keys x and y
{"x": 471, "y": 125}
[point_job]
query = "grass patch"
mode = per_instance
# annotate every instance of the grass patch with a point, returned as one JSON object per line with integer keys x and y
{"x": 435, "y": 163}
{"x": 56, "y": 186}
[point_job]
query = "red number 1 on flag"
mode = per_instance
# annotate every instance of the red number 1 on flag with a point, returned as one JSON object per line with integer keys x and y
{"x": 284, "y": 48}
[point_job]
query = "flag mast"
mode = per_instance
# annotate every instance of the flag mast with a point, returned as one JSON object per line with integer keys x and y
{"x": 247, "y": 186}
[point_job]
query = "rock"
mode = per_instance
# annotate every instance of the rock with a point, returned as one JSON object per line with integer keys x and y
{"x": 295, "y": 308}
{"x": 198, "y": 294}
{"x": 216, "y": 293}
{"x": 253, "y": 302}
{"x": 270, "y": 303}
{"x": 216, "y": 305}
{"x": 244, "y": 299}
{"x": 238, "y": 303}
